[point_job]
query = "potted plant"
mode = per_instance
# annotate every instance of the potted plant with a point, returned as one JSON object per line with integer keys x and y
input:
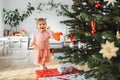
{"x": 13, "y": 18}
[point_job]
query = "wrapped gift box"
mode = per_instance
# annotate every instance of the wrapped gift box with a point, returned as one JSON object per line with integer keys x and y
{"x": 52, "y": 73}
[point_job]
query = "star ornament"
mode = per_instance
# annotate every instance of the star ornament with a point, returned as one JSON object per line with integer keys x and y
{"x": 108, "y": 50}
{"x": 110, "y": 2}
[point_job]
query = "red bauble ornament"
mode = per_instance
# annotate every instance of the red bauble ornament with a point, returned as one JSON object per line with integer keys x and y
{"x": 93, "y": 31}
{"x": 74, "y": 3}
{"x": 53, "y": 52}
{"x": 97, "y": 5}
{"x": 72, "y": 38}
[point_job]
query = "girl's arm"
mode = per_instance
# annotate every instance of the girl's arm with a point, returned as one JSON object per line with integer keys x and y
{"x": 52, "y": 35}
{"x": 32, "y": 44}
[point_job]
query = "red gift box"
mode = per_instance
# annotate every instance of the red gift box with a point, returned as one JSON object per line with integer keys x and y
{"x": 52, "y": 73}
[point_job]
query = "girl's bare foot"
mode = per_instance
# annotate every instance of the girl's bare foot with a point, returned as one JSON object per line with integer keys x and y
{"x": 45, "y": 68}
{"x": 41, "y": 67}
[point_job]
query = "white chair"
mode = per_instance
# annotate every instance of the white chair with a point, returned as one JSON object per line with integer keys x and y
{"x": 6, "y": 46}
{"x": 2, "y": 47}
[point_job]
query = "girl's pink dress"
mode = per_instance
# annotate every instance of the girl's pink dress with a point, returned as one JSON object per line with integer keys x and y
{"x": 42, "y": 53}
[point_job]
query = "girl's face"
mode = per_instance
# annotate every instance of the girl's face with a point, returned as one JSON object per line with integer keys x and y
{"x": 41, "y": 26}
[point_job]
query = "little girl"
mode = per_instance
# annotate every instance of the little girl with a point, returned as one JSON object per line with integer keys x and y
{"x": 41, "y": 43}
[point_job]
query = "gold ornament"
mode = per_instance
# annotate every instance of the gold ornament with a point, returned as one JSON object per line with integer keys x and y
{"x": 118, "y": 35}
{"x": 91, "y": 1}
{"x": 108, "y": 50}
{"x": 110, "y": 2}
{"x": 84, "y": 67}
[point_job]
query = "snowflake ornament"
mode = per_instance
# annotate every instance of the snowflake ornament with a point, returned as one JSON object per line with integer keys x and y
{"x": 108, "y": 50}
{"x": 110, "y": 2}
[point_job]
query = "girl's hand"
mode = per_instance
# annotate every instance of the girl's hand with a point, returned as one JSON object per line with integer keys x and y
{"x": 48, "y": 28}
{"x": 36, "y": 48}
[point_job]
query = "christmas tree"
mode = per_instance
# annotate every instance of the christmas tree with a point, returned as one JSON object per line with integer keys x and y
{"x": 94, "y": 27}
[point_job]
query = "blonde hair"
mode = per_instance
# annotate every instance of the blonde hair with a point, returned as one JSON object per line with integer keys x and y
{"x": 40, "y": 19}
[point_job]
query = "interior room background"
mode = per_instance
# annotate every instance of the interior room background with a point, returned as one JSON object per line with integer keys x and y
{"x": 29, "y": 23}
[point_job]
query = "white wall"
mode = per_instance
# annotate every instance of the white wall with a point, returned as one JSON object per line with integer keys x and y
{"x": 1, "y": 21}
{"x": 29, "y": 24}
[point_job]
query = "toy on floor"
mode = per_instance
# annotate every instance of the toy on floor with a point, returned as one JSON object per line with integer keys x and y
{"x": 64, "y": 67}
